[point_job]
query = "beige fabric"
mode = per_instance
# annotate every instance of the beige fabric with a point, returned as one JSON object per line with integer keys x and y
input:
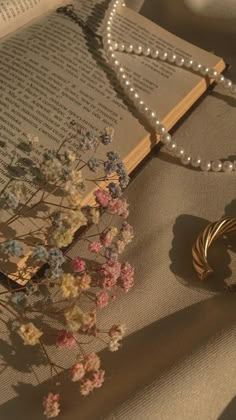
{"x": 178, "y": 361}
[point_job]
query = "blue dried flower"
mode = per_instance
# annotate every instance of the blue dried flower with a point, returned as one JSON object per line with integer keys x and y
{"x": 40, "y": 253}
{"x": 31, "y": 288}
{"x": 121, "y": 168}
{"x": 113, "y": 155}
{"x": 18, "y": 298}
{"x": 54, "y": 273}
{"x": 56, "y": 219}
{"x": 93, "y": 164}
{"x": 55, "y": 257}
{"x": 12, "y": 248}
{"x": 88, "y": 142}
{"x": 109, "y": 167}
{"x": 111, "y": 254}
{"x": 114, "y": 190}
{"x": 124, "y": 181}
{"x": 11, "y": 201}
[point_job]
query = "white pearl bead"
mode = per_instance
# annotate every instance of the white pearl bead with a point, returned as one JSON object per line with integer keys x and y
{"x": 138, "y": 49}
{"x": 140, "y": 105}
{"x": 115, "y": 46}
{"x": 163, "y": 55}
{"x": 155, "y": 53}
{"x": 216, "y": 165}
{"x": 227, "y": 84}
{"x": 129, "y": 48}
{"x": 147, "y": 51}
{"x": 171, "y": 57}
{"x": 179, "y": 152}
{"x": 121, "y": 47}
{"x": 131, "y": 91}
{"x": 179, "y": 61}
{"x": 220, "y": 79}
{"x": 196, "y": 66}
{"x": 196, "y": 161}
{"x": 127, "y": 83}
{"x": 172, "y": 146}
{"x": 160, "y": 129}
{"x": 188, "y": 63}
{"x": 166, "y": 138}
{"x": 153, "y": 114}
{"x": 206, "y": 165}
{"x": 186, "y": 159}
{"x": 227, "y": 166}
{"x": 204, "y": 70}
{"x": 212, "y": 74}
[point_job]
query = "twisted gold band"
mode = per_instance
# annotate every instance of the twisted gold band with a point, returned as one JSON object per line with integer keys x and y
{"x": 203, "y": 242}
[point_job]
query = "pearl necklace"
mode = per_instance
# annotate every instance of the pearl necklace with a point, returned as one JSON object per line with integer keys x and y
{"x": 110, "y": 48}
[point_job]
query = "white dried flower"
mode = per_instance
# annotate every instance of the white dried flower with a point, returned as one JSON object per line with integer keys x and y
{"x": 32, "y": 140}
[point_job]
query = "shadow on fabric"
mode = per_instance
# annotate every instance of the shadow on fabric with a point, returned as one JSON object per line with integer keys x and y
{"x": 164, "y": 344}
{"x": 229, "y": 412}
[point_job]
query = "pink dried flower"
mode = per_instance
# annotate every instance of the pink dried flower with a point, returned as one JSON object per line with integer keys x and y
{"x": 77, "y": 372}
{"x": 127, "y": 277}
{"x": 95, "y": 247}
{"x": 65, "y": 340}
{"x": 108, "y": 283}
{"x": 119, "y": 206}
{"x": 51, "y": 405}
{"x": 102, "y": 197}
{"x": 102, "y": 299}
{"x": 107, "y": 236}
{"x": 78, "y": 265}
{"x": 117, "y": 331}
{"x": 91, "y": 362}
{"x": 86, "y": 386}
{"x": 98, "y": 378}
{"x": 111, "y": 269}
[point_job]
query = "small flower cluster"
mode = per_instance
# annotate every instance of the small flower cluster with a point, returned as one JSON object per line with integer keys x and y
{"x": 74, "y": 290}
{"x": 87, "y": 371}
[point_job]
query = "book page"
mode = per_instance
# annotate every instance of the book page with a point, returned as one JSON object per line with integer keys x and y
{"x": 52, "y": 72}
{"x": 16, "y": 13}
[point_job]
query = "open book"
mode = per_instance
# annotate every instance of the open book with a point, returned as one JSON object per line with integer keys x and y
{"x": 51, "y": 72}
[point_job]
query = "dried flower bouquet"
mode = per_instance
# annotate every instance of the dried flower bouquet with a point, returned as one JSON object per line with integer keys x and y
{"x": 47, "y": 190}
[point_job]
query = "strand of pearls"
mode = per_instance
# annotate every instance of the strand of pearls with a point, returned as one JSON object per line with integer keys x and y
{"x": 111, "y": 47}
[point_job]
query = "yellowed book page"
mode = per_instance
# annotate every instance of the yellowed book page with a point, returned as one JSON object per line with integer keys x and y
{"x": 16, "y": 13}
{"x": 52, "y": 72}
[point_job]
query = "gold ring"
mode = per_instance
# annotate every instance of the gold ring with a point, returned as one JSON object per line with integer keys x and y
{"x": 203, "y": 242}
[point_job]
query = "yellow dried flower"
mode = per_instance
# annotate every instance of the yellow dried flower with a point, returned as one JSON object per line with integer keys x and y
{"x": 74, "y": 317}
{"x": 75, "y": 200}
{"x": 70, "y": 155}
{"x": 95, "y": 216}
{"x": 61, "y": 238}
{"x": 29, "y": 334}
{"x": 69, "y": 286}
{"x": 84, "y": 282}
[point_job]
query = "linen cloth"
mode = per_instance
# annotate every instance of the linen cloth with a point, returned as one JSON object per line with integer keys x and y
{"x": 178, "y": 360}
